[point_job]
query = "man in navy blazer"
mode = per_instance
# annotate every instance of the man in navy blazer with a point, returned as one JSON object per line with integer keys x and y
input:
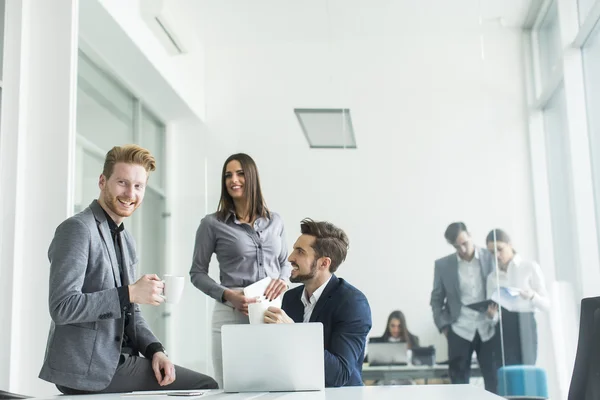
{"x": 342, "y": 309}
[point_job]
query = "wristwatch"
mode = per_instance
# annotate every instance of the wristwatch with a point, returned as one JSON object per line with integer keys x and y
{"x": 163, "y": 350}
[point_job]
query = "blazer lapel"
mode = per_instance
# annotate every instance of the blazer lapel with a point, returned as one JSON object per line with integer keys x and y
{"x": 296, "y": 311}
{"x": 454, "y": 275}
{"x": 126, "y": 259}
{"x": 325, "y": 296}
{"x": 107, "y": 239}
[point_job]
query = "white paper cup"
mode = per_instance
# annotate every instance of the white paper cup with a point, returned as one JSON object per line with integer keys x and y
{"x": 256, "y": 311}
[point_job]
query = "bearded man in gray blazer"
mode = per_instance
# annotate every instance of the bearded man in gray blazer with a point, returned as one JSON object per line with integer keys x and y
{"x": 459, "y": 280}
{"x": 97, "y": 332}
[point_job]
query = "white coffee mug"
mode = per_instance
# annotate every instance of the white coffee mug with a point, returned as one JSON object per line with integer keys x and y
{"x": 173, "y": 288}
{"x": 256, "y": 311}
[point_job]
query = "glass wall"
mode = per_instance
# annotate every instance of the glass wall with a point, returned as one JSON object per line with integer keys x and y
{"x": 591, "y": 69}
{"x": 2, "y": 6}
{"x": 109, "y": 115}
{"x": 561, "y": 188}
{"x": 464, "y": 227}
{"x": 585, "y": 6}
{"x": 549, "y": 46}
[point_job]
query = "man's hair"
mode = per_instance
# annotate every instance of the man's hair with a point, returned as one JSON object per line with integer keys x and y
{"x": 129, "y": 154}
{"x": 453, "y": 230}
{"x": 330, "y": 241}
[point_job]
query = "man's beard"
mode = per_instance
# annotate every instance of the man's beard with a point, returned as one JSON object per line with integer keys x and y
{"x": 113, "y": 204}
{"x": 303, "y": 278}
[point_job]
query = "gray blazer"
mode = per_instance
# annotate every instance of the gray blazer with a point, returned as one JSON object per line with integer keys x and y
{"x": 84, "y": 343}
{"x": 445, "y": 296}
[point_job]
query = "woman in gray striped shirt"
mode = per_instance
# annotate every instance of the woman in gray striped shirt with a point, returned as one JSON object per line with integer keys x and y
{"x": 249, "y": 241}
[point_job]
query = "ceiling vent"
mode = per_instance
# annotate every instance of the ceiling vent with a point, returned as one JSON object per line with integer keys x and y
{"x": 327, "y": 128}
{"x": 162, "y": 23}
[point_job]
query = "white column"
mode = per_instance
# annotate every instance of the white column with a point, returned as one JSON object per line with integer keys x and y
{"x": 36, "y": 169}
{"x": 579, "y": 146}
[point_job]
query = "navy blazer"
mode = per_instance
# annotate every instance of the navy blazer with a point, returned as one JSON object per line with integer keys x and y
{"x": 346, "y": 317}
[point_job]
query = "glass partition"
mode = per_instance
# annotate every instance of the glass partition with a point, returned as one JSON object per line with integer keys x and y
{"x": 458, "y": 199}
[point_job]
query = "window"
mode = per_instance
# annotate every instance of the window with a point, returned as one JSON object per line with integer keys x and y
{"x": 2, "y": 12}
{"x": 560, "y": 187}
{"x": 105, "y": 110}
{"x": 152, "y": 138}
{"x": 585, "y": 6}
{"x": 549, "y": 44}
{"x": 109, "y": 115}
{"x": 591, "y": 69}
{"x": 2, "y": 7}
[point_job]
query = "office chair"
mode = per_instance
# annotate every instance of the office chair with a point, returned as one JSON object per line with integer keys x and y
{"x": 585, "y": 382}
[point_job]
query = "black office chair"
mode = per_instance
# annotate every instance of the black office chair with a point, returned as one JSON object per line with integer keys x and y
{"x": 585, "y": 382}
{"x": 8, "y": 395}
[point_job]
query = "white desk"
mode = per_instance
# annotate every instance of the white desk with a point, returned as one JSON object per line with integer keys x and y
{"x": 408, "y": 372}
{"x": 432, "y": 392}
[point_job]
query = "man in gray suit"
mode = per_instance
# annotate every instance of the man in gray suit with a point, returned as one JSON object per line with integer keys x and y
{"x": 459, "y": 280}
{"x": 97, "y": 331}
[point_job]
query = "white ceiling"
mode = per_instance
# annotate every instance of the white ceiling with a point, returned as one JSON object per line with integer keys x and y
{"x": 308, "y": 20}
{"x": 513, "y": 12}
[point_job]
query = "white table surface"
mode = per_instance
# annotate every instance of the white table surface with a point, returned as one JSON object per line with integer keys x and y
{"x": 410, "y": 392}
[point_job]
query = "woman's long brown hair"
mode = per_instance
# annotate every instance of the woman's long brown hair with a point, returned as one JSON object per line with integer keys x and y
{"x": 252, "y": 192}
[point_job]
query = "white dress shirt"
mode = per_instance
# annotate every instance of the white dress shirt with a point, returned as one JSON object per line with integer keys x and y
{"x": 472, "y": 290}
{"x": 309, "y": 304}
{"x": 524, "y": 275}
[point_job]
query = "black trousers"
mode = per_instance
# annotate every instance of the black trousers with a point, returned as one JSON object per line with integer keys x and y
{"x": 135, "y": 374}
{"x": 460, "y": 352}
{"x": 519, "y": 335}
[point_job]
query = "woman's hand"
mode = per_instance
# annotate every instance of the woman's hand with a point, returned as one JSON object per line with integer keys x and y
{"x": 239, "y": 301}
{"x": 492, "y": 310}
{"x": 527, "y": 294}
{"x": 275, "y": 289}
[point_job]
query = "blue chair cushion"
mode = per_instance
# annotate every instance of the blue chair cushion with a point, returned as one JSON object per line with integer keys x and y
{"x": 522, "y": 382}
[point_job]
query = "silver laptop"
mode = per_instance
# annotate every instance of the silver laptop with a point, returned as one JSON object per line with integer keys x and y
{"x": 387, "y": 353}
{"x": 273, "y": 358}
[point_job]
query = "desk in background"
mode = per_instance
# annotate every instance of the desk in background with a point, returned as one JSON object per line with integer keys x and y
{"x": 387, "y": 374}
{"x": 432, "y": 392}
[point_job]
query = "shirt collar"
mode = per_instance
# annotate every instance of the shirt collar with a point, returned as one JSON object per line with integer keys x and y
{"x": 114, "y": 229}
{"x": 315, "y": 296}
{"x": 476, "y": 257}
{"x": 516, "y": 260}
{"x": 231, "y": 216}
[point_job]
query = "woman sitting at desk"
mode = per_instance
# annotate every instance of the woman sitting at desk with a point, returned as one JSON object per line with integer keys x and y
{"x": 397, "y": 331}
{"x": 525, "y": 279}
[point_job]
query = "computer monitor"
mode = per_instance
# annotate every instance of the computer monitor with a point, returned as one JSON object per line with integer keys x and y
{"x": 387, "y": 353}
